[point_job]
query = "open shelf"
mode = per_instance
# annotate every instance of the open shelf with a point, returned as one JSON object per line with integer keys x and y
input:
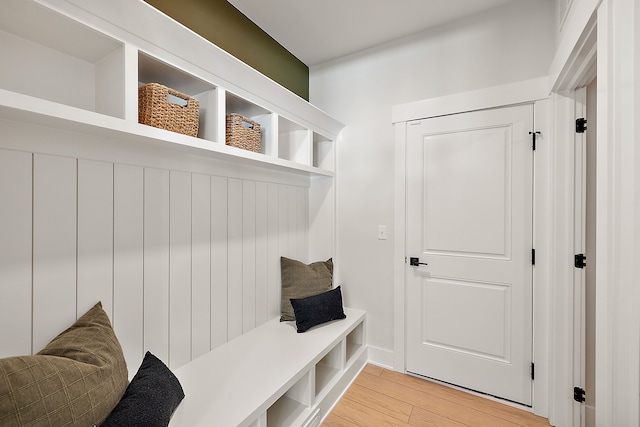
{"x": 23, "y": 108}
{"x": 59, "y": 72}
{"x": 153, "y": 70}
{"x": 293, "y": 142}
{"x": 52, "y": 57}
{"x": 292, "y": 407}
{"x": 323, "y": 152}
{"x": 238, "y": 105}
{"x": 354, "y": 342}
{"x": 328, "y": 368}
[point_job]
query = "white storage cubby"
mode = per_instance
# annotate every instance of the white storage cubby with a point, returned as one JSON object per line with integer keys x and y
{"x": 153, "y": 70}
{"x": 323, "y": 152}
{"x": 238, "y": 105}
{"x": 355, "y": 342}
{"x": 279, "y": 377}
{"x": 294, "y": 142}
{"x": 329, "y": 368}
{"x": 291, "y": 408}
{"x": 48, "y": 56}
{"x": 50, "y": 60}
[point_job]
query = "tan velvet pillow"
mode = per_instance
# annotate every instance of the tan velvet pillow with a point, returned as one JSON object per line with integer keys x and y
{"x": 76, "y": 380}
{"x": 300, "y": 280}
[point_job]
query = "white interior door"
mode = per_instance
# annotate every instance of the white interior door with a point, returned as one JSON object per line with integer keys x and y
{"x": 469, "y": 221}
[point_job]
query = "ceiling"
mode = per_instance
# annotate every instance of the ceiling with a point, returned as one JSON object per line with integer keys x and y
{"x": 316, "y": 31}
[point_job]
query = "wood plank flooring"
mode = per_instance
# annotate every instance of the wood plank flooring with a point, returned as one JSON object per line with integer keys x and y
{"x": 380, "y": 397}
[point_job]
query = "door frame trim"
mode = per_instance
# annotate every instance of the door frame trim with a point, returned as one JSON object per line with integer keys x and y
{"x": 529, "y": 91}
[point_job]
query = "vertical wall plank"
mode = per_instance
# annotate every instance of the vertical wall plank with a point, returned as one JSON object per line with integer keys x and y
{"x": 262, "y": 253}
{"x": 156, "y": 262}
{"x": 273, "y": 274}
{"x": 128, "y": 262}
{"x": 219, "y": 261}
{"x": 248, "y": 255}
{"x": 293, "y": 225}
{"x": 15, "y": 252}
{"x": 234, "y": 265}
{"x": 200, "y": 265}
{"x": 302, "y": 223}
{"x": 54, "y": 246}
{"x": 283, "y": 222}
{"x": 95, "y": 235}
{"x": 179, "y": 268}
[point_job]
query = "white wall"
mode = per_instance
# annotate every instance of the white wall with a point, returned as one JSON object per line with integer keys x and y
{"x": 507, "y": 44}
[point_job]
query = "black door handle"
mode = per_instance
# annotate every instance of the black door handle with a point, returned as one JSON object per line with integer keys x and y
{"x": 413, "y": 261}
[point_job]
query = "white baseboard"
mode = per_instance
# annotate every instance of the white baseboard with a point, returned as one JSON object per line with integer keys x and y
{"x": 381, "y": 357}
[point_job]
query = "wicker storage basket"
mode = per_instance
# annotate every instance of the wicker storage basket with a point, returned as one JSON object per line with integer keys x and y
{"x": 155, "y": 109}
{"x": 243, "y": 132}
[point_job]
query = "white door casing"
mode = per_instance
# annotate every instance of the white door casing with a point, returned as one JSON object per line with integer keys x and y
{"x": 469, "y": 217}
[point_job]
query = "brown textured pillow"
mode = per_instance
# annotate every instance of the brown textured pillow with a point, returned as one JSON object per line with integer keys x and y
{"x": 300, "y": 280}
{"x": 76, "y": 380}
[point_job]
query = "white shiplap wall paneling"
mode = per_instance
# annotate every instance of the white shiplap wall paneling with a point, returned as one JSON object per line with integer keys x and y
{"x": 128, "y": 262}
{"x": 201, "y": 282}
{"x": 15, "y": 252}
{"x": 182, "y": 261}
{"x": 219, "y": 261}
{"x": 95, "y": 235}
{"x": 179, "y": 268}
{"x": 156, "y": 262}
{"x": 54, "y": 246}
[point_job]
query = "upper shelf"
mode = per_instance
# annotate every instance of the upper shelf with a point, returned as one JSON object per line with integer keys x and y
{"x": 73, "y": 66}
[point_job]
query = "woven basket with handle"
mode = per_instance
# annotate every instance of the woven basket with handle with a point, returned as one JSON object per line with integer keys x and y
{"x": 243, "y": 132}
{"x": 155, "y": 108}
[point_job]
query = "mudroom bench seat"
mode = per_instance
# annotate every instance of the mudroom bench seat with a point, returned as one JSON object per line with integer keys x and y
{"x": 273, "y": 376}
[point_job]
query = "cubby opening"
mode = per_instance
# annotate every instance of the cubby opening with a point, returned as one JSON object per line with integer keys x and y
{"x": 293, "y": 406}
{"x": 323, "y": 152}
{"x": 355, "y": 342}
{"x": 293, "y": 142}
{"x": 153, "y": 70}
{"x": 238, "y": 105}
{"x": 57, "y": 59}
{"x": 328, "y": 368}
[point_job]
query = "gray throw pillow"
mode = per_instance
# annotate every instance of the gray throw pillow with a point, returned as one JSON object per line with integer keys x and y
{"x": 76, "y": 380}
{"x": 300, "y": 280}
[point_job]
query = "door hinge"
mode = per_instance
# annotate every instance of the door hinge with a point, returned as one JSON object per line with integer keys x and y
{"x": 533, "y": 257}
{"x": 533, "y": 371}
{"x": 579, "y": 394}
{"x": 580, "y": 261}
{"x": 581, "y": 125}
{"x": 533, "y": 136}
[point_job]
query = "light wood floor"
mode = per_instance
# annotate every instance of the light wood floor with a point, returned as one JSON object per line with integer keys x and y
{"x": 380, "y": 397}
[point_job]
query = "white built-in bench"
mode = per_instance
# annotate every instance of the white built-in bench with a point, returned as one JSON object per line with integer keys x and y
{"x": 273, "y": 376}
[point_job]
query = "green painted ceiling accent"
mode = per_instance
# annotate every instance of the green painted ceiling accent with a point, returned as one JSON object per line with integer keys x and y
{"x": 225, "y": 26}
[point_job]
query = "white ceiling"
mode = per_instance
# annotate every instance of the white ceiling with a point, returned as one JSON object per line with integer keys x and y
{"x": 316, "y": 31}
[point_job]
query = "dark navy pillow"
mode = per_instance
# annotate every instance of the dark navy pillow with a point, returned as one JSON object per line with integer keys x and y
{"x": 150, "y": 399}
{"x": 317, "y": 309}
